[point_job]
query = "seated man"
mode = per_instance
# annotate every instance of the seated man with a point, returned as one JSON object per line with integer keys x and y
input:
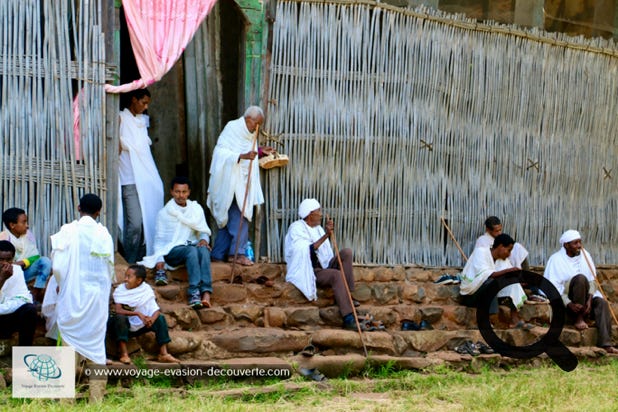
{"x": 17, "y": 313}
{"x": 137, "y": 312}
{"x": 181, "y": 238}
{"x": 27, "y": 254}
{"x": 310, "y": 260}
{"x": 571, "y": 270}
{"x": 485, "y": 263}
{"x": 518, "y": 257}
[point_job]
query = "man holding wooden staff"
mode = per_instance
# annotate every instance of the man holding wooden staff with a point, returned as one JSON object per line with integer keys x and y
{"x": 310, "y": 260}
{"x": 234, "y": 186}
{"x": 571, "y": 270}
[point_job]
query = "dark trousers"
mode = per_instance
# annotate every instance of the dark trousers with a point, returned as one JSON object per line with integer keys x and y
{"x": 23, "y": 321}
{"x": 228, "y": 236}
{"x": 119, "y": 327}
{"x": 579, "y": 289}
{"x": 331, "y": 277}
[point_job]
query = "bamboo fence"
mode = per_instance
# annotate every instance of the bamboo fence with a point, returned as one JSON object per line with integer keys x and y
{"x": 49, "y": 51}
{"x": 393, "y": 118}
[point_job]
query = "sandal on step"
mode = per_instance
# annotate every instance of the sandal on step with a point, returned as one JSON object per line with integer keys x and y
{"x": 167, "y": 358}
{"x": 308, "y": 351}
{"x": 314, "y": 374}
{"x": 206, "y": 299}
{"x": 125, "y": 359}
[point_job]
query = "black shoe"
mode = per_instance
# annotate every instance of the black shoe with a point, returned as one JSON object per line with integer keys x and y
{"x": 467, "y": 348}
{"x": 487, "y": 350}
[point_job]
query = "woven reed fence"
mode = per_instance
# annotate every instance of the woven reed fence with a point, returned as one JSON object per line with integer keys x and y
{"x": 50, "y": 50}
{"x": 394, "y": 118}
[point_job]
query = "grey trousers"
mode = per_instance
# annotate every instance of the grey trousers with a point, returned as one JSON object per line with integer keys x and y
{"x": 331, "y": 277}
{"x": 133, "y": 233}
{"x": 579, "y": 288}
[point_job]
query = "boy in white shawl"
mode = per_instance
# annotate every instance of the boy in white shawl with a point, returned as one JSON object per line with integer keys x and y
{"x": 572, "y": 271}
{"x": 181, "y": 238}
{"x": 310, "y": 260}
{"x": 486, "y": 263}
{"x": 229, "y": 171}
{"x": 518, "y": 257}
{"x": 137, "y": 312}
{"x": 83, "y": 268}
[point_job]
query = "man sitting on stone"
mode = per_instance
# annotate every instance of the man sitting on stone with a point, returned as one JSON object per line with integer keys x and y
{"x": 17, "y": 313}
{"x": 181, "y": 238}
{"x": 518, "y": 257}
{"x": 310, "y": 260}
{"x": 572, "y": 271}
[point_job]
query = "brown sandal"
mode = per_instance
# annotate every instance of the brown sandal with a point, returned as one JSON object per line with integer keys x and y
{"x": 125, "y": 359}
{"x": 167, "y": 358}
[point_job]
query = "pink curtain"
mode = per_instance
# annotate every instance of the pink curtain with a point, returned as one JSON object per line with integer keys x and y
{"x": 160, "y": 30}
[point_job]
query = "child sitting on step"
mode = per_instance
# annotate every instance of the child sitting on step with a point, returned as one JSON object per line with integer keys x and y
{"x": 137, "y": 312}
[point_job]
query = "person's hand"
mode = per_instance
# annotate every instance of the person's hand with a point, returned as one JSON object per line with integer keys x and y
{"x": 575, "y": 307}
{"x": 329, "y": 227}
{"x": 6, "y": 270}
{"x": 248, "y": 156}
{"x": 203, "y": 243}
{"x": 160, "y": 266}
{"x": 148, "y": 321}
{"x": 20, "y": 263}
{"x": 267, "y": 150}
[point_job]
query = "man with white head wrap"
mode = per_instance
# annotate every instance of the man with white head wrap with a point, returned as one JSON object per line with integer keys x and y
{"x": 310, "y": 259}
{"x": 572, "y": 271}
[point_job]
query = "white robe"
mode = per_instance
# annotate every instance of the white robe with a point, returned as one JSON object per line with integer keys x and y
{"x": 14, "y": 293}
{"x": 479, "y": 267}
{"x": 518, "y": 254}
{"x": 561, "y": 268}
{"x": 83, "y": 267}
{"x": 176, "y": 226}
{"x": 134, "y": 139}
{"x": 141, "y": 299}
{"x": 299, "y": 271}
{"x": 228, "y": 175}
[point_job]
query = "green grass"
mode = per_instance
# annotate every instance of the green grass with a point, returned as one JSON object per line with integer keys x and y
{"x": 544, "y": 388}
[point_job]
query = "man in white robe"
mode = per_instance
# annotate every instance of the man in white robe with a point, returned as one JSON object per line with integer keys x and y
{"x": 83, "y": 269}
{"x": 572, "y": 271}
{"x": 140, "y": 184}
{"x": 518, "y": 257}
{"x": 485, "y": 263}
{"x": 17, "y": 313}
{"x": 182, "y": 236}
{"x": 310, "y": 260}
{"x": 229, "y": 170}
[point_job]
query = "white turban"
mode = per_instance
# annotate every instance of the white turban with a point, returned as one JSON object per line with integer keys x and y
{"x": 569, "y": 236}
{"x": 307, "y": 206}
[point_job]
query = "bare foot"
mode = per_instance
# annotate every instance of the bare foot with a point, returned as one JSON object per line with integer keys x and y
{"x": 580, "y": 325}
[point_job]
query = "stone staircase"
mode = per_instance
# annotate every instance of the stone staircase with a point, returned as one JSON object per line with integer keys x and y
{"x": 252, "y": 320}
{"x": 255, "y": 324}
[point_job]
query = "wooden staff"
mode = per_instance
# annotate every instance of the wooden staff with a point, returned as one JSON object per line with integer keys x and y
{"x": 454, "y": 240}
{"x": 347, "y": 289}
{"x": 244, "y": 203}
{"x": 594, "y": 275}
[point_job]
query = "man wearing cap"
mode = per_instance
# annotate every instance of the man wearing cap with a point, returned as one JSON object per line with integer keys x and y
{"x": 310, "y": 259}
{"x": 571, "y": 270}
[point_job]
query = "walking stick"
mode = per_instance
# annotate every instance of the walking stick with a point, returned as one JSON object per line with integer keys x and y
{"x": 594, "y": 275}
{"x": 347, "y": 289}
{"x": 244, "y": 204}
{"x": 454, "y": 240}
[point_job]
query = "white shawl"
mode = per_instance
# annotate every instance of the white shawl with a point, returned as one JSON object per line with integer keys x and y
{"x": 228, "y": 175}
{"x": 14, "y": 293}
{"x": 518, "y": 254}
{"x": 83, "y": 265}
{"x": 176, "y": 226}
{"x": 134, "y": 138}
{"x": 298, "y": 258}
{"x": 561, "y": 268}
{"x": 141, "y": 299}
{"x": 477, "y": 270}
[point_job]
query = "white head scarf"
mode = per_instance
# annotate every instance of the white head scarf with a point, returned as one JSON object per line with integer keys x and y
{"x": 307, "y": 206}
{"x": 569, "y": 236}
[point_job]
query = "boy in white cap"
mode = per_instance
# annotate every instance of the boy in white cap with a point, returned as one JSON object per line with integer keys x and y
{"x": 572, "y": 271}
{"x": 310, "y": 259}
